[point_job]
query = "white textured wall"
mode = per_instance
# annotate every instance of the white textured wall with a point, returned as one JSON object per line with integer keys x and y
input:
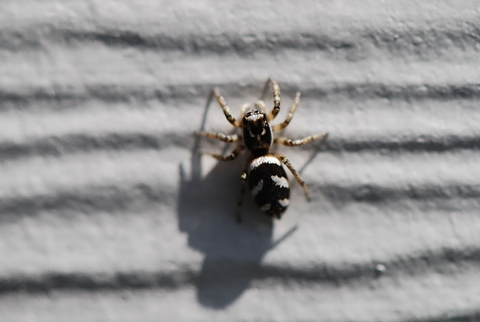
{"x": 105, "y": 214}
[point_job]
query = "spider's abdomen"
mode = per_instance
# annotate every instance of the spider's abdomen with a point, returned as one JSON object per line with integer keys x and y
{"x": 268, "y": 183}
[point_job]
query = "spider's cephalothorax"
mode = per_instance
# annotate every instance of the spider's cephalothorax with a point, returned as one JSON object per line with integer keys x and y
{"x": 266, "y": 177}
{"x": 257, "y": 134}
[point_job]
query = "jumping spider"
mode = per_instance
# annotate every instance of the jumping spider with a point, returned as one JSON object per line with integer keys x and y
{"x": 267, "y": 179}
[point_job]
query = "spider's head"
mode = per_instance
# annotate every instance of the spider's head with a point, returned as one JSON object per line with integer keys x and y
{"x": 255, "y": 122}
{"x": 257, "y": 134}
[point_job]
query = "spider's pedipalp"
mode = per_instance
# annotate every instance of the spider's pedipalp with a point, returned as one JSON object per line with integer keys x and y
{"x": 243, "y": 110}
{"x": 260, "y": 105}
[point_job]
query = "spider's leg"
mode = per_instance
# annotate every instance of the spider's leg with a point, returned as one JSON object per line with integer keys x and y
{"x": 297, "y": 176}
{"x": 243, "y": 183}
{"x": 284, "y": 124}
{"x": 220, "y": 136}
{"x": 308, "y": 139}
{"x": 226, "y": 109}
{"x": 228, "y": 157}
{"x": 276, "y": 100}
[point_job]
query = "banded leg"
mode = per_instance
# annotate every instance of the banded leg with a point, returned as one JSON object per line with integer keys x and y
{"x": 284, "y": 124}
{"x": 243, "y": 184}
{"x": 220, "y": 136}
{"x": 276, "y": 101}
{"x": 297, "y": 176}
{"x": 308, "y": 139}
{"x": 226, "y": 109}
{"x": 228, "y": 157}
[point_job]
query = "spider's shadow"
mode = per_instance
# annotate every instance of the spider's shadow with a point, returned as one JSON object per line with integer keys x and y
{"x": 233, "y": 251}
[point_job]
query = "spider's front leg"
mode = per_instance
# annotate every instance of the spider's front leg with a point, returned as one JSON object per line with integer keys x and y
{"x": 226, "y": 109}
{"x": 276, "y": 100}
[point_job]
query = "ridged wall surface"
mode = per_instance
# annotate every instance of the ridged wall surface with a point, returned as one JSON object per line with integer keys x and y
{"x": 108, "y": 213}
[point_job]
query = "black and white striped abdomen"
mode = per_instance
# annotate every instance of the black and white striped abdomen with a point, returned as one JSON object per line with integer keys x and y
{"x": 268, "y": 183}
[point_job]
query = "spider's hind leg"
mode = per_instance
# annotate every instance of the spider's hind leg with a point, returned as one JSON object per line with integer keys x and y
{"x": 297, "y": 176}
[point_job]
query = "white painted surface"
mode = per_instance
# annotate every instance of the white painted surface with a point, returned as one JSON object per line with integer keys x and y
{"x": 106, "y": 215}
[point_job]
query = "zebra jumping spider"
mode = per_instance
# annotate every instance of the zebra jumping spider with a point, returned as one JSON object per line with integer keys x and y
{"x": 266, "y": 177}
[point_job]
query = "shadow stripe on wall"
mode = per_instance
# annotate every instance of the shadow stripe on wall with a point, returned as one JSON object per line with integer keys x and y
{"x": 455, "y": 316}
{"x": 92, "y": 199}
{"x": 84, "y": 143}
{"x": 89, "y": 200}
{"x": 407, "y": 144}
{"x": 74, "y": 143}
{"x": 420, "y": 264}
{"x": 70, "y": 97}
{"x": 434, "y": 40}
{"x": 340, "y": 195}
